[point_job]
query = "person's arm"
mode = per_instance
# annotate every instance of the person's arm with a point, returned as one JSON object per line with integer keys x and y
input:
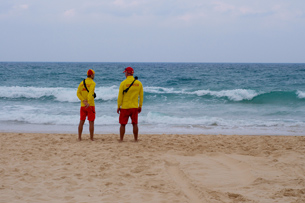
{"x": 141, "y": 95}
{"x": 120, "y": 97}
{"x": 141, "y": 98}
{"x": 91, "y": 92}
{"x": 80, "y": 96}
{"x": 79, "y": 93}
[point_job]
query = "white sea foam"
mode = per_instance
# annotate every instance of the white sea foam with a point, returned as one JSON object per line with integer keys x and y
{"x": 162, "y": 90}
{"x": 37, "y": 116}
{"x": 159, "y": 118}
{"x": 234, "y": 95}
{"x": 207, "y": 121}
{"x": 301, "y": 94}
{"x": 110, "y": 93}
{"x": 59, "y": 93}
{"x": 27, "y": 92}
{"x": 151, "y": 121}
{"x": 107, "y": 93}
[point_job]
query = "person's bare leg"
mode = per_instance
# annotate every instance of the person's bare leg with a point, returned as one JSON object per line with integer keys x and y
{"x": 135, "y": 132}
{"x": 122, "y": 132}
{"x": 80, "y": 129}
{"x": 91, "y": 129}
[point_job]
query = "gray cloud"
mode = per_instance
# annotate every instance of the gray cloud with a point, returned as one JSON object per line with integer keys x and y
{"x": 153, "y": 30}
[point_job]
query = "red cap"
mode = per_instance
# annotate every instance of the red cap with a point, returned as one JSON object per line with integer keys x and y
{"x": 90, "y": 72}
{"x": 129, "y": 70}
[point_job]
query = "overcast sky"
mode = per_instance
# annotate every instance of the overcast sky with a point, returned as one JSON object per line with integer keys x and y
{"x": 153, "y": 30}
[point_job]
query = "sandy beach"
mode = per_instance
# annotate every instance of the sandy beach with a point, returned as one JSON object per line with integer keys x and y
{"x": 158, "y": 168}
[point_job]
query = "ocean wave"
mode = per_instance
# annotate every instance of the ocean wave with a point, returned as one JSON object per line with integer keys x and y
{"x": 158, "y": 118}
{"x": 42, "y": 115}
{"x": 162, "y": 90}
{"x": 61, "y": 94}
{"x": 47, "y": 119}
{"x": 204, "y": 121}
{"x": 234, "y": 95}
{"x": 153, "y": 122}
{"x": 278, "y": 97}
{"x": 57, "y": 93}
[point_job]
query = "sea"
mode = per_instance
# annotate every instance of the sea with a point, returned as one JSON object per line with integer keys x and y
{"x": 179, "y": 98}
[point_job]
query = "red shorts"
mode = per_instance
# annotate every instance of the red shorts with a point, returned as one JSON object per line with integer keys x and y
{"x": 90, "y": 112}
{"x": 126, "y": 113}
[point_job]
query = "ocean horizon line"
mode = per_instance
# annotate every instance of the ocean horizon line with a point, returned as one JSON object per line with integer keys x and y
{"x": 139, "y": 62}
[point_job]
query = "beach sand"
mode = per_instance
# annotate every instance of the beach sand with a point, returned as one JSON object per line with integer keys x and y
{"x": 158, "y": 168}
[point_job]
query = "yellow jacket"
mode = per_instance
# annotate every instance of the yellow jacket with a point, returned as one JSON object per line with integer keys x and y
{"x": 82, "y": 93}
{"x": 130, "y": 99}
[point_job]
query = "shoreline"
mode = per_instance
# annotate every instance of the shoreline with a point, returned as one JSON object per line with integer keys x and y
{"x": 141, "y": 134}
{"x": 145, "y": 130}
{"x": 50, "y": 167}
